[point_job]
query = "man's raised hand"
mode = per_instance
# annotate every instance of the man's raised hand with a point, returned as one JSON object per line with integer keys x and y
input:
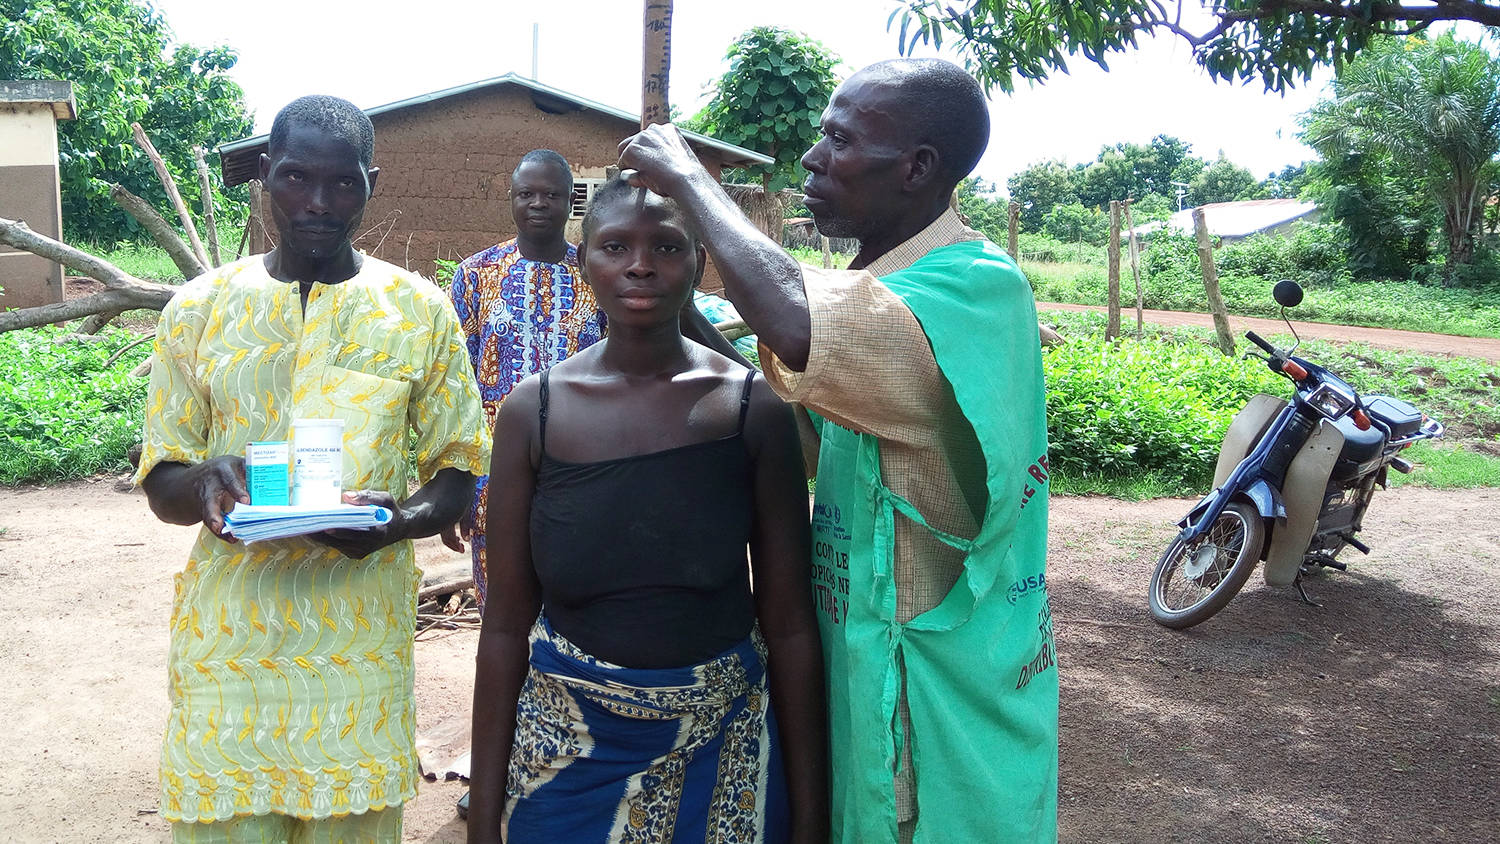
{"x": 658, "y": 158}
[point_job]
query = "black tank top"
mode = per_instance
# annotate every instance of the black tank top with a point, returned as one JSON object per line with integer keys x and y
{"x": 641, "y": 559}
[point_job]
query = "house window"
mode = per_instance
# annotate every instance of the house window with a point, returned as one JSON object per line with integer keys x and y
{"x": 583, "y": 191}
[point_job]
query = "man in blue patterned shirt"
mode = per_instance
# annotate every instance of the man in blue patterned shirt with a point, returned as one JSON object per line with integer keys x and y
{"x": 524, "y": 305}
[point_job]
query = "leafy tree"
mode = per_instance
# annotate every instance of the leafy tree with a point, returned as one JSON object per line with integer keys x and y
{"x": 1385, "y": 216}
{"x": 1152, "y": 206}
{"x": 1040, "y": 188}
{"x": 771, "y": 100}
{"x": 124, "y": 68}
{"x": 1433, "y": 106}
{"x": 1221, "y": 181}
{"x": 1279, "y": 42}
{"x": 1111, "y": 177}
{"x": 1074, "y": 223}
{"x": 986, "y": 210}
{"x": 1287, "y": 183}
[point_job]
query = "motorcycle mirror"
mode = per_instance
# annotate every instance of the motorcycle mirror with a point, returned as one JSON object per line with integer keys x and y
{"x": 1287, "y": 293}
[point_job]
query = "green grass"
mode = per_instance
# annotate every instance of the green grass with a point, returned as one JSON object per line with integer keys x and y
{"x": 1129, "y": 487}
{"x": 1448, "y": 466}
{"x": 1385, "y": 304}
{"x": 150, "y": 262}
{"x": 814, "y": 257}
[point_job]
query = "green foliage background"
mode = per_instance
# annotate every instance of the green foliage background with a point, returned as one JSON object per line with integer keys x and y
{"x": 125, "y": 68}
{"x": 62, "y": 414}
{"x": 770, "y": 100}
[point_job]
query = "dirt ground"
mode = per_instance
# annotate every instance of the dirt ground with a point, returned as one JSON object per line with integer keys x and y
{"x": 1484, "y": 348}
{"x": 1371, "y": 718}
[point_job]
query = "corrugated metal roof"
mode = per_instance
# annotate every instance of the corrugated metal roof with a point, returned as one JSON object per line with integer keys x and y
{"x": 239, "y": 159}
{"x": 1240, "y": 219}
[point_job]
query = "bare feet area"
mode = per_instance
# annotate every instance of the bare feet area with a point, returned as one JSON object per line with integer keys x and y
{"x": 1483, "y": 348}
{"x": 1375, "y": 717}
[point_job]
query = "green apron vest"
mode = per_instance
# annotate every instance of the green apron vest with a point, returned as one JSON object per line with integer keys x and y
{"x": 981, "y": 681}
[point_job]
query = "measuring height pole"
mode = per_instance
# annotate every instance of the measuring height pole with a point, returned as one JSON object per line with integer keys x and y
{"x": 657, "y": 63}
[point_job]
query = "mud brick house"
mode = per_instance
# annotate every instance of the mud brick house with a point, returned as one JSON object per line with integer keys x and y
{"x": 29, "y": 111}
{"x": 445, "y": 161}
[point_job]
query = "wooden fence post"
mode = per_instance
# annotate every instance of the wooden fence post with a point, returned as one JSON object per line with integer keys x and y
{"x": 827, "y": 251}
{"x": 1135, "y": 270}
{"x": 1112, "y": 328}
{"x": 256, "y": 225}
{"x": 206, "y": 188}
{"x": 170, "y": 186}
{"x": 1013, "y": 245}
{"x": 1211, "y": 283}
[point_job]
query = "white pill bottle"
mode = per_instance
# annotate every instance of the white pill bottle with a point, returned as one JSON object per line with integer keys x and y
{"x": 317, "y": 462}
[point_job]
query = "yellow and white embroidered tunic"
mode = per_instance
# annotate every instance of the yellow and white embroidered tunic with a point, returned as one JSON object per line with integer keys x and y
{"x": 290, "y": 666}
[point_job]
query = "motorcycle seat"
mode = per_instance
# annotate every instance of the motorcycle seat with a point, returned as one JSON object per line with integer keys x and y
{"x": 1402, "y": 418}
{"x": 1359, "y": 446}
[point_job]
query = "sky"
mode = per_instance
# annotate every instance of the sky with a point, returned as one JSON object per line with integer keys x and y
{"x": 375, "y": 52}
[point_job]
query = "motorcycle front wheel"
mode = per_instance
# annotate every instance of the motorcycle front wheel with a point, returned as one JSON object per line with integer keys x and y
{"x": 1193, "y": 580}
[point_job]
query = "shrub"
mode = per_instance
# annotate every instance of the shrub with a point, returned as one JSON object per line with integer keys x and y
{"x": 1137, "y": 408}
{"x": 61, "y": 413}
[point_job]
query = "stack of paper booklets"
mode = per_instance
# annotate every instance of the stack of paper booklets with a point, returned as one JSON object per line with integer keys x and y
{"x": 253, "y": 523}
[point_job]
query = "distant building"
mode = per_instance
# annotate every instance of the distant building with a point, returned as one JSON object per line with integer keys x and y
{"x": 1231, "y": 221}
{"x": 446, "y": 157}
{"x": 29, "y": 111}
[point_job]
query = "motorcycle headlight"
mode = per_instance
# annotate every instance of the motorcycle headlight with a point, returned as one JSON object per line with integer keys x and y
{"x": 1330, "y": 401}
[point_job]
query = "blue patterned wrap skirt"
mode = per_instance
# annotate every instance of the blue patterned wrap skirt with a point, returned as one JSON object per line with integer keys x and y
{"x": 606, "y": 753}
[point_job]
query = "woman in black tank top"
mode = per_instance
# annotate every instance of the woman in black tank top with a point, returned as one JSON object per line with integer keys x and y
{"x": 631, "y": 683}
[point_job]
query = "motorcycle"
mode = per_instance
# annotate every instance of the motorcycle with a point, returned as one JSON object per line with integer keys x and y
{"x": 1291, "y": 486}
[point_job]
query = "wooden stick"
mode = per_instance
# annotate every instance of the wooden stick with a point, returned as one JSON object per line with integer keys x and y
{"x": 1135, "y": 270}
{"x": 127, "y": 347}
{"x": 171, "y": 188}
{"x": 1112, "y": 326}
{"x": 160, "y": 231}
{"x": 1211, "y": 283}
{"x": 206, "y": 188}
{"x": 1013, "y": 243}
{"x": 445, "y": 588}
{"x": 260, "y": 239}
{"x": 125, "y": 290}
{"x": 657, "y": 63}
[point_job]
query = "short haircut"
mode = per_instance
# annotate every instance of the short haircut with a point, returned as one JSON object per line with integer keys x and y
{"x": 544, "y": 156}
{"x": 945, "y": 108}
{"x": 331, "y": 114}
{"x": 614, "y": 191}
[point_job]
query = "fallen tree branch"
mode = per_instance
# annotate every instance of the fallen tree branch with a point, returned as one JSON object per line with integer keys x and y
{"x": 127, "y": 347}
{"x": 207, "y": 193}
{"x": 170, "y": 185}
{"x": 445, "y": 588}
{"x": 160, "y": 231}
{"x": 124, "y": 292}
{"x": 96, "y": 322}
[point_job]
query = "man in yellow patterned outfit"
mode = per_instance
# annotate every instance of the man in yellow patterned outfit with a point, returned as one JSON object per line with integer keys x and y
{"x": 290, "y": 669}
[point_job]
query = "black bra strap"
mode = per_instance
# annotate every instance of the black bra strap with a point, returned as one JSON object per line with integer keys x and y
{"x": 745, "y": 398}
{"x": 543, "y": 413}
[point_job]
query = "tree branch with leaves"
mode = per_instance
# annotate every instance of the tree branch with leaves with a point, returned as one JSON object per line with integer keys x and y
{"x": 1280, "y": 42}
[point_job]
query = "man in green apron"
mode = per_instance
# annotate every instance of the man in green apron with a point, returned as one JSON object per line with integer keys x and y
{"x": 922, "y": 369}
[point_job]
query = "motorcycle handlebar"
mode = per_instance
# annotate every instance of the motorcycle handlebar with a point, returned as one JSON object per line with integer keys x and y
{"x": 1255, "y": 338}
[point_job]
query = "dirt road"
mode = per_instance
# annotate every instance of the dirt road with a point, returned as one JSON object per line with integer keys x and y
{"x": 1484, "y": 348}
{"x": 1374, "y": 717}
